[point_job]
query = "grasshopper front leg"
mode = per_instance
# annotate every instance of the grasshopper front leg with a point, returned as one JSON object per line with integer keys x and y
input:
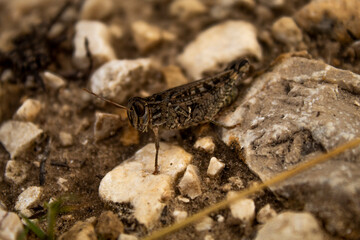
{"x": 156, "y": 134}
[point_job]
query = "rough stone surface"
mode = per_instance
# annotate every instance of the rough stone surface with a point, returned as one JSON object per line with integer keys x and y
{"x": 53, "y": 81}
{"x": 109, "y": 226}
{"x": 190, "y": 184}
{"x": 28, "y": 111}
{"x": 185, "y": 9}
{"x": 332, "y": 17}
{"x": 205, "y": 224}
{"x": 215, "y": 167}
{"x": 124, "y": 236}
{"x": 133, "y": 181}
{"x": 99, "y": 38}
{"x": 179, "y": 215}
{"x": 286, "y": 31}
{"x": 80, "y": 231}
{"x": 205, "y": 143}
{"x": 219, "y": 44}
{"x": 96, "y": 9}
{"x": 265, "y": 214}
{"x": 118, "y": 78}
{"x": 173, "y": 76}
{"x": 291, "y": 225}
{"x": 18, "y": 136}
{"x": 27, "y": 199}
{"x": 10, "y": 225}
{"x": 106, "y": 125}
{"x": 243, "y": 209}
{"x": 16, "y": 171}
{"x": 148, "y": 36}
{"x": 66, "y": 139}
{"x": 298, "y": 110}
{"x": 273, "y": 3}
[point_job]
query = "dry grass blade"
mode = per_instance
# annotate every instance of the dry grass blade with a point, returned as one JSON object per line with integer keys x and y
{"x": 277, "y": 179}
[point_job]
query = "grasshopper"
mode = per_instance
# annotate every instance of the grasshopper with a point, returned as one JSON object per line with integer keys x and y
{"x": 187, "y": 105}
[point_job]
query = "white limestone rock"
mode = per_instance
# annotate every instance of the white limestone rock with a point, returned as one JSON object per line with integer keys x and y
{"x": 18, "y": 136}
{"x": 53, "y": 81}
{"x": 106, "y": 125}
{"x": 265, "y": 214}
{"x": 29, "y": 110}
{"x": 291, "y": 225}
{"x": 11, "y": 225}
{"x": 286, "y": 31}
{"x": 96, "y": 9}
{"x": 66, "y": 139}
{"x": 243, "y": 209}
{"x": 118, "y": 78}
{"x": 27, "y": 199}
{"x": 205, "y": 224}
{"x": 185, "y": 9}
{"x": 133, "y": 181}
{"x": 190, "y": 184}
{"x": 99, "y": 38}
{"x": 215, "y": 167}
{"x": 179, "y": 215}
{"x": 220, "y": 44}
{"x": 148, "y": 36}
{"x": 206, "y": 143}
{"x": 16, "y": 171}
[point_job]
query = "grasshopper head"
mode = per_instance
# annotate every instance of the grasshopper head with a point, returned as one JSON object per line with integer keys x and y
{"x": 138, "y": 113}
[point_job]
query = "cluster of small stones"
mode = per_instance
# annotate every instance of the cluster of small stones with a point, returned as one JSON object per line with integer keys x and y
{"x": 299, "y": 108}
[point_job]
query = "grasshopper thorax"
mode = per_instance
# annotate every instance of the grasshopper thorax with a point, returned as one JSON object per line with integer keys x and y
{"x": 138, "y": 113}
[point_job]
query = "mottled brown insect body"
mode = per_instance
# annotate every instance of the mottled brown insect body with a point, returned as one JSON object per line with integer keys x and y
{"x": 187, "y": 105}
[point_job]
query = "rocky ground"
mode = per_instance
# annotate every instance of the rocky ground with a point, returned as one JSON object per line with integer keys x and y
{"x": 61, "y": 145}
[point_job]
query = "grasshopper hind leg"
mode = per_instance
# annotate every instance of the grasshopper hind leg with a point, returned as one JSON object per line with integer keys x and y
{"x": 157, "y": 146}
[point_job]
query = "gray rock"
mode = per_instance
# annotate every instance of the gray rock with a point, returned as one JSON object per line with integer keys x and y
{"x": 118, "y": 78}
{"x": 299, "y": 109}
{"x": 133, "y": 181}
{"x": 291, "y": 226}
{"x": 220, "y": 44}
{"x": 333, "y": 17}
{"x": 80, "y": 231}
{"x": 27, "y": 199}
{"x": 16, "y": 171}
{"x": 18, "y": 136}
{"x": 10, "y": 225}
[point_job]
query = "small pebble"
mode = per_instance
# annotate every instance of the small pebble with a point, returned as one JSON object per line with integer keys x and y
{"x": 61, "y": 181}
{"x": 190, "y": 184}
{"x": 286, "y": 31}
{"x": 99, "y": 38}
{"x": 265, "y": 214}
{"x": 205, "y": 143}
{"x": 183, "y": 199}
{"x": 215, "y": 167}
{"x": 11, "y": 225}
{"x": 291, "y": 225}
{"x": 80, "y": 231}
{"x": 220, "y": 218}
{"x": 106, "y": 125}
{"x": 208, "y": 237}
{"x": 124, "y": 236}
{"x": 96, "y": 9}
{"x": 179, "y": 215}
{"x": 66, "y": 139}
{"x": 27, "y": 199}
{"x": 148, "y": 36}
{"x": 109, "y": 226}
{"x": 185, "y": 9}
{"x": 205, "y": 224}
{"x": 28, "y": 111}
{"x": 53, "y": 81}
{"x": 18, "y": 136}
{"x": 16, "y": 171}
{"x": 243, "y": 209}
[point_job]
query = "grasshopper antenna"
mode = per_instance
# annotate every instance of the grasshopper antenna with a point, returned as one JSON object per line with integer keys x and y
{"x": 106, "y": 100}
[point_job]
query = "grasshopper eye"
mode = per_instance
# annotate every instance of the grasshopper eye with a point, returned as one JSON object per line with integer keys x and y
{"x": 139, "y": 109}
